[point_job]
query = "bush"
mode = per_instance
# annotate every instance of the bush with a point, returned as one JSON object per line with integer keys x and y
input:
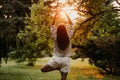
{"x": 103, "y": 52}
{"x": 110, "y": 54}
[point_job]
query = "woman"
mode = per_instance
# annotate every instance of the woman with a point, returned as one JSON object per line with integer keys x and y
{"x": 62, "y": 50}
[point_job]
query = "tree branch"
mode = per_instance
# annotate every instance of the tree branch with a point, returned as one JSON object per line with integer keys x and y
{"x": 93, "y": 17}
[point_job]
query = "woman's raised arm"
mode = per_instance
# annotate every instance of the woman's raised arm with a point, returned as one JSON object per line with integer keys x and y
{"x": 53, "y": 22}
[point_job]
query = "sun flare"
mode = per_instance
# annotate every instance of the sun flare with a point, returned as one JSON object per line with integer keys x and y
{"x": 71, "y": 12}
{"x": 63, "y": 6}
{"x": 62, "y": 1}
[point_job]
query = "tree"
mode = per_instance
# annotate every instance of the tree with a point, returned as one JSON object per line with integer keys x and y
{"x": 98, "y": 36}
{"x": 34, "y": 41}
{"x": 12, "y": 13}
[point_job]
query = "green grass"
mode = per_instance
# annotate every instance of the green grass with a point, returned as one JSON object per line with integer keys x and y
{"x": 79, "y": 71}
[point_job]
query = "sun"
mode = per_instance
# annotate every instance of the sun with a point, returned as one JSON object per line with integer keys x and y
{"x": 62, "y": 5}
{"x": 62, "y": 1}
{"x": 70, "y": 10}
{"x": 72, "y": 13}
{"x": 61, "y": 17}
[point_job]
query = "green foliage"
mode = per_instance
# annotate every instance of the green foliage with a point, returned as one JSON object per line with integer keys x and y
{"x": 98, "y": 36}
{"x": 104, "y": 53}
{"x": 35, "y": 41}
{"x": 12, "y": 13}
{"x": 110, "y": 47}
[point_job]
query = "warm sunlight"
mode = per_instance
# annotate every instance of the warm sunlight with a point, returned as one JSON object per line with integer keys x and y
{"x": 61, "y": 17}
{"x": 62, "y": 5}
{"x": 1, "y": 6}
{"x": 53, "y": 4}
{"x": 61, "y": 1}
{"x": 71, "y": 12}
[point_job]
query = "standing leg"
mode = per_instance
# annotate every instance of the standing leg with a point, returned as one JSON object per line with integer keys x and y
{"x": 63, "y": 75}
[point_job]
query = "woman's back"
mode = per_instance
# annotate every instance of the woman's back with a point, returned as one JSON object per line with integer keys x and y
{"x": 62, "y": 43}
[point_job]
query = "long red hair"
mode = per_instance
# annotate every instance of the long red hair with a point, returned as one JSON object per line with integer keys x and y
{"x": 62, "y": 37}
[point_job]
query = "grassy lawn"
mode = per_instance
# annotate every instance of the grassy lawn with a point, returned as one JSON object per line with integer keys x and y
{"x": 79, "y": 71}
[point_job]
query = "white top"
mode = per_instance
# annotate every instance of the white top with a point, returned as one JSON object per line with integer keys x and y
{"x": 68, "y": 51}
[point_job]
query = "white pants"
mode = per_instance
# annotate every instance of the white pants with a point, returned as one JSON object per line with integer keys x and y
{"x": 60, "y": 62}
